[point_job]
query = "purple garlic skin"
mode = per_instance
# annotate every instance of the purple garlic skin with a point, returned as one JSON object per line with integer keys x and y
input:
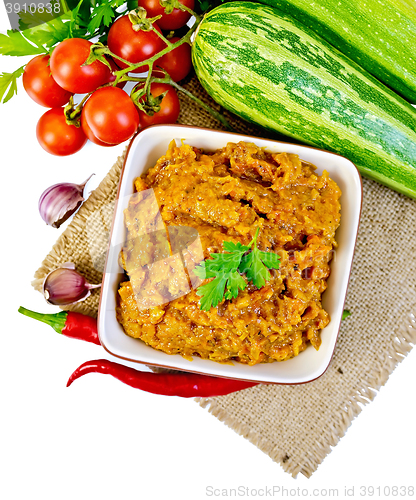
{"x": 58, "y": 202}
{"x": 65, "y": 286}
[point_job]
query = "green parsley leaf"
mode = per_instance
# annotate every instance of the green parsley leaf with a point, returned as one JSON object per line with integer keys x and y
{"x": 224, "y": 261}
{"x": 83, "y": 15}
{"x": 255, "y": 264}
{"x": 73, "y": 23}
{"x": 254, "y": 269}
{"x": 49, "y": 34}
{"x": 205, "y": 4}
{"x": 8, "y": 81}
{"x": 41, "y": 31}
{"x": 229, "y": 246}
{"x": 345, "y": 314}
{"x": 15, "y": 44}
{"x": 224, "y": 268}
{"x": 202, "y": 272}
{"x": 103, "y": 14}
{"x": 235, "y": 282}
{"x": 212, "y": 293}
{"x": 269, "y": 259}
{"x": 46, "y": 29}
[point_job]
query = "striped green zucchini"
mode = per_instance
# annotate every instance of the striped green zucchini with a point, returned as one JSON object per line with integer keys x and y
{"x": 269, "y": 69}
{"x": 379, "y": 35}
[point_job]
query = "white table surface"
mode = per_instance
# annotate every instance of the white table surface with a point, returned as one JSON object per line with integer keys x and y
{"x": 100, "y": 439}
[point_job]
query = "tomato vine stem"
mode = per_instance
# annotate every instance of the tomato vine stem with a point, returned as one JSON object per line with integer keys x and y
{"x": 100, "y": 51}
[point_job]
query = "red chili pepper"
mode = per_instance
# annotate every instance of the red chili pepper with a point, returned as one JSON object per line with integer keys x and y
{"x": 72, "y": 324}
{"x": 185, "y": 385}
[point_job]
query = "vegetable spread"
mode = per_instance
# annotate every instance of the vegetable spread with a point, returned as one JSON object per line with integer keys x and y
{"x": 184, "y": 209}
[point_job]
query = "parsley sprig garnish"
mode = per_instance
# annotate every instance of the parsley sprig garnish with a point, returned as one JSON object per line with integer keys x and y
{"x": 227, "y": 269}
{"x": 8, "y": 84}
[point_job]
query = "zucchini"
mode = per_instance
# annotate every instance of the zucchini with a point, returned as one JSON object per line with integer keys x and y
{"x": 379, "y": 35}
{"x": 271, "y": 70}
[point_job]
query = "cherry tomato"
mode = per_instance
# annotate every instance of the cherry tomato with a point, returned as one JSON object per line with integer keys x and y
{"x": 133, "y": 46}
{"x": 56, "y": 137}
{"x": 111, "y": 115}
{"x": 88, "y": 132}
{"x": 177, "y": 63}
{"x": 176, "y": 19}
{"x": 66, "y": 67}
{"x": 41, "y": 87}
{"x": 169, "y": 107}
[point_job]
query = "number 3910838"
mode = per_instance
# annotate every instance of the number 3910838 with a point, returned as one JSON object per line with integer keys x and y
{"x": 32, "y": 8}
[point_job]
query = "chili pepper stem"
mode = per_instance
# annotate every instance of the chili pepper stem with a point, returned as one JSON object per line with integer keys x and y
{"x": 70, "y": 324}
{"x": 56, "y": 321}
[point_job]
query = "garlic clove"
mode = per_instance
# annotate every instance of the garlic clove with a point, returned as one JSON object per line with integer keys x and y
{"x": 58, "y": 202}
{"x": 64, "y": 286}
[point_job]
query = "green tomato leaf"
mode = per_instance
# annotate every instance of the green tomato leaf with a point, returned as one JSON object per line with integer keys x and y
{"x": 8, "y": 83}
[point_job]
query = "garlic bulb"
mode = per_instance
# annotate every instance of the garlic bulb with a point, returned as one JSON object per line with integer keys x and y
{"x": 58, "y": 202}
{"x": 65, "y": 286}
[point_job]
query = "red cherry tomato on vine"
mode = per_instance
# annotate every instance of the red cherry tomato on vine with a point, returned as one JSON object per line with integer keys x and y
{"x": 41, "y": 87}
{"x": 178, "y": 62}
{"x": 176, "y": 19}
{"x": 169, "y": 107}
{"x": 111, "y": 115}
{"x": 88, "y": 132}
{"x": 56, "y": 136}
{"x": 133, "y": 46}
{"x": 67, "y": 70}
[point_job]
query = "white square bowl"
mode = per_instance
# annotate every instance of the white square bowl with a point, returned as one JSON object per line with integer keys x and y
{"x": 143, "y": 152}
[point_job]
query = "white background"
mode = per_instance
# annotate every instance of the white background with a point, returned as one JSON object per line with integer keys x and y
{"x": 100, "y": 439}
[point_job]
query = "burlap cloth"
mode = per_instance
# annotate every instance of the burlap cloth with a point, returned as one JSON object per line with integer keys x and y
{"x": 295, "y": 425}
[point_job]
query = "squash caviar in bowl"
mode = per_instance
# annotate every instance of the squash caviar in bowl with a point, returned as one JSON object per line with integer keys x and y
{"x": 185, "y": 209}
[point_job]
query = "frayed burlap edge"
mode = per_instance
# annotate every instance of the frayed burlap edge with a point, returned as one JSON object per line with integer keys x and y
{"x": 360, "y": 395}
